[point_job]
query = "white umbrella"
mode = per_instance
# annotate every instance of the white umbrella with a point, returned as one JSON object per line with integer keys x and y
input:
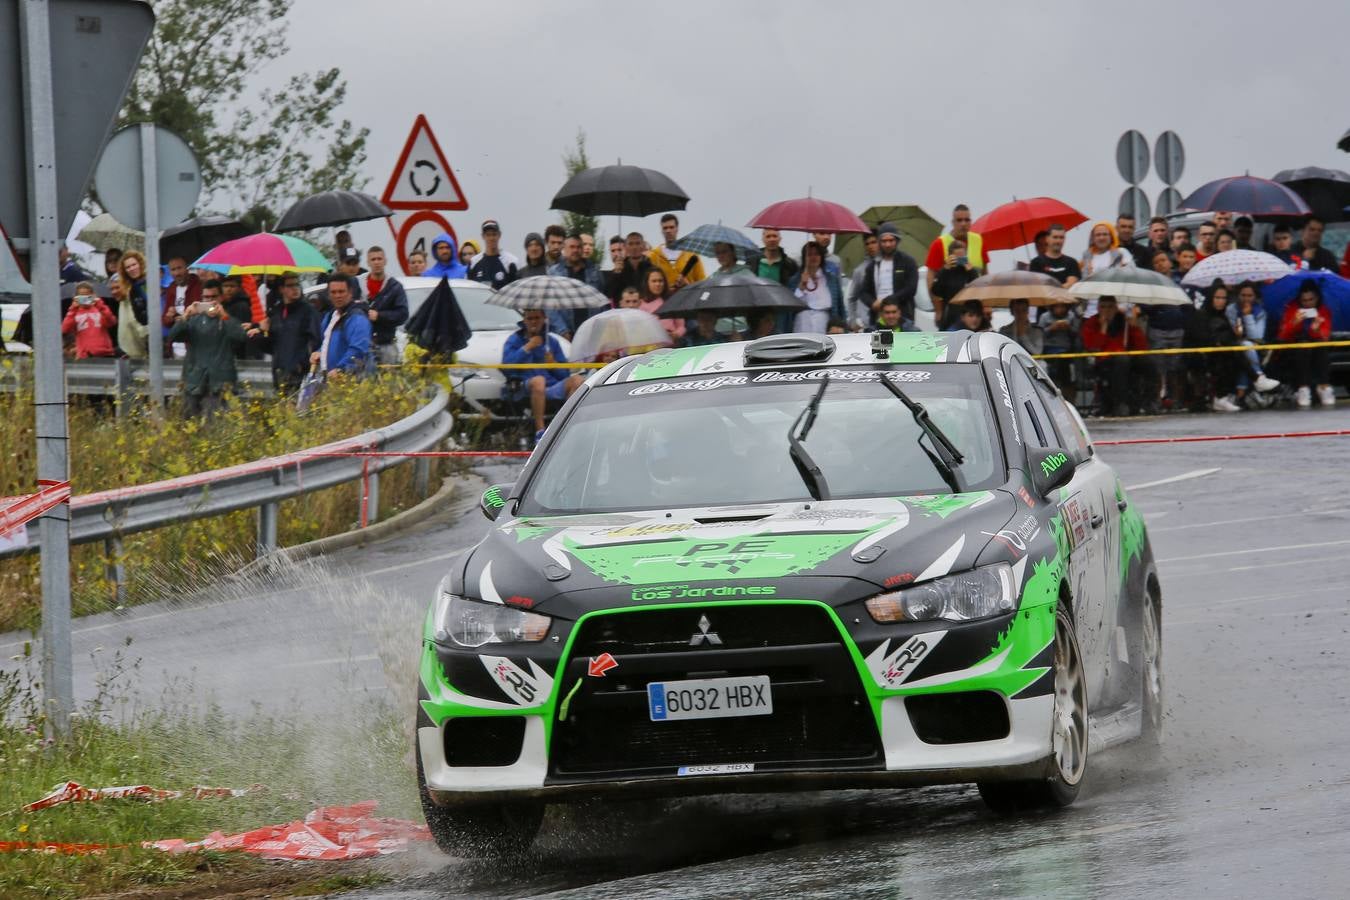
{"x": 1142, "y": 286}
{"x": 618, "y": 329}
{"x": 1234, "y": 266}
{"x": 104, "y": 232}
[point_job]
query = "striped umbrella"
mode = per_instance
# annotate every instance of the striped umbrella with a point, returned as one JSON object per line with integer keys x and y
{"x": 548, "y": 292}
{"x": 1004, "y": 287}
{"x": 703, "y": 238}
{"x": 1234, "y": 266}
{"x": 1142, "y": 286}
{"x": 263, "y": 254}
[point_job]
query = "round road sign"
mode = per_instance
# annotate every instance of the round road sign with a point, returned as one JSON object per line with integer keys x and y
{"x": 417, "y": 233}
{"x": 118, "y": 178}
{"x": 1132, "y": 156}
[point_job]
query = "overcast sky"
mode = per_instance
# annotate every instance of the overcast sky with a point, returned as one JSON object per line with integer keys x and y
{"x": 744, "y": 103}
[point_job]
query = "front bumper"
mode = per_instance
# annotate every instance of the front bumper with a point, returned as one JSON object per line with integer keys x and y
{"x": 849, "y": 710}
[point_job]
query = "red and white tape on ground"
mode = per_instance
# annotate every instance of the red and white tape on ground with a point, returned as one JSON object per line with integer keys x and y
{"x": 1204, "y": 438}
{"x": 19, "y": 511}
{"x": 74, "y": 792}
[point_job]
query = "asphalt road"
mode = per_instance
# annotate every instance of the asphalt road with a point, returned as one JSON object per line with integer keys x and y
{"x": 1249, "y": 797}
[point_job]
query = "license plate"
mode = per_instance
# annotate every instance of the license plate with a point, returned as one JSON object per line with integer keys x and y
{"x": 709, "y": 698}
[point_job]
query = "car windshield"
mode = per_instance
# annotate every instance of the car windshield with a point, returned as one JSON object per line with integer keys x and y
{"x": 722, "y": 440}
{"x": 473, "y": 301}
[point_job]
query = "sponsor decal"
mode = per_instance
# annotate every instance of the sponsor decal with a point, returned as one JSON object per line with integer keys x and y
{"x": 689, "y": 591}
{"x": 943, "y": 505}
{"x": 1007, "y": 401}
{"x": 699, "y": 384}
{"x": 524, "y": 688}
{"x": 1076, "y": 518}
{"x": 729, "y": 769}
{"x": 1017, "y": 537}
{"x": 718, "y": 554}
{"x": 1025, "y": 494}
{"x": 891, "y": 668}
{"x": 599, "y": 665}
{"x": 654, "y": 529}
{"x": 1052, "y": 463}
{"x": 705, "y": 634}
{"x": 897, "y": 580}
{"x": 856, "y": 376}
{"x": 492, "y": 498}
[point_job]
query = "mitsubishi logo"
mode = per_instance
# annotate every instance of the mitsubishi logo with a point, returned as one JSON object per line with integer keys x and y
{"x": 703, "y": 634}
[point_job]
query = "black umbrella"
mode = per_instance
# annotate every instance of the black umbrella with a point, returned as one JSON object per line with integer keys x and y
{"x": 1344, "y": 142}
{"x": 737, "y": 293}
{"x": 1326, "y": 191}
{"x": 620, "y": 191}
{"x": 439, "y": 326}
{"x": 194, "y": 237}
{"x": 332, "y": 208}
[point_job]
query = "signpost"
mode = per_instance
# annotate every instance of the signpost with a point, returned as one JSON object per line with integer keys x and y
{"x": 42, "y": 180}
{"x": 422, "y": 184}
{"x": 148, "y": 177}
{"x": 1132, "y": 163}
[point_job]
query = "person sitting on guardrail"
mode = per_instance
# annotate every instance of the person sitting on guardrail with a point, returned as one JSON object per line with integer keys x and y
{"x": 533, "y": 343}
{"x": 345, "y": 347}
{"x": 293, "y": 337}
{"x": 211, "y": 337}
{"x": 1248, "y": 318}
{"x": 89, "y": 320}
{"x": 1307, "y": 320}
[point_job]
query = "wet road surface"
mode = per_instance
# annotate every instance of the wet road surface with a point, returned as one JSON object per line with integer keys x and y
{"x": 1250, "y": 795}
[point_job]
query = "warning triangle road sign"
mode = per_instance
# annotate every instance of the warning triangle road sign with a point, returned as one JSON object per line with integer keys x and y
{"x": 422, "y": 177}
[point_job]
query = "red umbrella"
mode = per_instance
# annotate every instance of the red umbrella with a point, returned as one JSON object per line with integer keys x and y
{"x": 810, "y": 214}
{"x": 1016, "y": 223}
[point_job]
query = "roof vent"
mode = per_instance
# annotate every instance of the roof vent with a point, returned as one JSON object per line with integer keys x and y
{"x": 789, "y": 348}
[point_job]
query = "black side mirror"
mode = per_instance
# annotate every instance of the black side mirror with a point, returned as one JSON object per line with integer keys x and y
{"x": 494, "y": 500}
{"x": 1051, "y": 468}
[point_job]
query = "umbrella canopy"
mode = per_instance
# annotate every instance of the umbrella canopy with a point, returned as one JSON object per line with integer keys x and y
{"x": 1142, "y": 286}
{"x": 196, "y": 236}
{"x": 702, "y": 239}
{"x": 809, "y": 214}
{"x": 739, "y": 292}
{"x": 1016, "y": 224}
{"x": 1234, "y": 266}
{"x": 1326, "y": 191}
{"x": 1335, "y": 293}
{"x": 1004, "y": 287}
{"x": 548, "y": 292}
{"x": 1258, "y": 197}
{"x": 620, "y": 190}
{"x": 917, "y": 230}
{"x": 332, "y": 208}
{"x": 1344, "y": 142}
{"x": 617, "y": 330}
{"x": 104, "y": 233}
{"x": 263, "y": 254}
{"x": 439, "y": 326}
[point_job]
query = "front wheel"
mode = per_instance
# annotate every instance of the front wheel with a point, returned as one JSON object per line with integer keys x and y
{"x": 480, "y": 832}
{"x": 1069, "y": 736}
{"x": 1150, "y": 662}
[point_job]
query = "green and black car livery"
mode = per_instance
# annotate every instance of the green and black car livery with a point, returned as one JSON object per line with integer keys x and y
{"x": 800, "y": 562}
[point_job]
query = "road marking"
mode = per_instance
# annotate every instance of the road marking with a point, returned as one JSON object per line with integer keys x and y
{"x": 1247, "y": 551}
{"x": 1184, "y": 476}
{"x": 1265, "y": 598}
{"x": 1209, "y": 573}
{"x": 330, "y": 661}
{"x": 1295, "y": 515}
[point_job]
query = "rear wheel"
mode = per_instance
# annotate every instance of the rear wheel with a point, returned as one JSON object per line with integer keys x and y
{"x": 477, "y": 832}
{"x": 1069, "y": 736}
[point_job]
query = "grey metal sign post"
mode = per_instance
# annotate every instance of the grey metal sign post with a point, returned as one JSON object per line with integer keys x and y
{"x": 147, "y": 178}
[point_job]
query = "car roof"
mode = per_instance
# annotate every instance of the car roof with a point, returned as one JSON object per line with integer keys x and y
{"x": 924, "y": 347}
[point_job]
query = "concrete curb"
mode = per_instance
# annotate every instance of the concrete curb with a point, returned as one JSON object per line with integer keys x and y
{"x": 380, "y": 530}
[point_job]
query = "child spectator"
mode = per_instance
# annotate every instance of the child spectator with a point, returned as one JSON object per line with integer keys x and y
{"x": 89, "y": 320}
{"x": 1308, "y": 321}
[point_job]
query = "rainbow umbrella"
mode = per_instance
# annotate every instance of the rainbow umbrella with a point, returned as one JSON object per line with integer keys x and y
{"x": 263, "y": 254}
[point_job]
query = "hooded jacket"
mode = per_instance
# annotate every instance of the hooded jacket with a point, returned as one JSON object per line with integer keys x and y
{"x": 90, "y": 326}
{"x": 454, "y": 268}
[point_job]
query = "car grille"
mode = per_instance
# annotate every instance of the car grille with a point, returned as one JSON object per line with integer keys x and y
{"x": 821, "y": 715}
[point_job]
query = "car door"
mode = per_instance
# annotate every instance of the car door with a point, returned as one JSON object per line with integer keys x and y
{"x": 1083, "y": 516}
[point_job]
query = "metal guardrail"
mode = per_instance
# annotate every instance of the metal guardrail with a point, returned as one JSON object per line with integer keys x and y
{"x": 115, "y": 377}
{"x": 261, "y": 484}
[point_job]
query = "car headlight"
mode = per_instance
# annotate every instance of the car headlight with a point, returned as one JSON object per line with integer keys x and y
{"x": 977, "y": 594}
{"x": 473, "y": 623}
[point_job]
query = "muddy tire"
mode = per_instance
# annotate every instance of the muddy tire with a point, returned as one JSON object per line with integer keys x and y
{"x": 1069, "y": 737}
{"x": 1151, "y": 672}
{"x": 492, "y": 831}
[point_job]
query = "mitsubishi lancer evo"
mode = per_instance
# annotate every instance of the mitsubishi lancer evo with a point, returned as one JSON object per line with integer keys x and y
{"x": 804, "y": 562}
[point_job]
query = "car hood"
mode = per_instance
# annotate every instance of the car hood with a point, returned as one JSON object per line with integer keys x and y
{"x": 574, "y": 564}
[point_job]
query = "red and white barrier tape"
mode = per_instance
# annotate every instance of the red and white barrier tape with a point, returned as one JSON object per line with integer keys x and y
{"x": 1204, "y": 438}
{"x": 23, "y": 510}
{"x": 74, "y": 792}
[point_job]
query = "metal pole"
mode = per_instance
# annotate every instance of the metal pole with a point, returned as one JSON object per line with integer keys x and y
{"x": 154, "y": 310}
{"x": 267, "y": 529}
{"x": 422, "y": 477}
{"x": 123, "y": 388}
{"x": 49, "y": 380}
{"x": 372, "y": 498}
{"x": 115, "y": 569}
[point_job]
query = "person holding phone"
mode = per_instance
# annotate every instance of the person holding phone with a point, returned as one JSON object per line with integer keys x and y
{"x": 1307, "y": 320}
{"x": 211, "y": 338}
{"x": 951, "y": 279}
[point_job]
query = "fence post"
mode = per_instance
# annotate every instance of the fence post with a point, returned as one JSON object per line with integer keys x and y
{"x": 422, "y": 477}
{"x": 267, "y": 528}
{"x": 114, "y": 569}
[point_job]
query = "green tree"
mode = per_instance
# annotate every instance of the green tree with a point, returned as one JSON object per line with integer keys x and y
{"x": 575, "y": 161}
{"x": 259, "y": 149}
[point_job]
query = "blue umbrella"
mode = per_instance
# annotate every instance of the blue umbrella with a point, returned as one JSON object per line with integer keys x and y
{"x": 1335, "y": 293}
{"x": 702, "y": 239}
{"x": 1258, "y": 197}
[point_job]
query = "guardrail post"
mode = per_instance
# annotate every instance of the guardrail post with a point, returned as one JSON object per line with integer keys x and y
{"x": 422, "y": 477}
{"x": 372, "y": 498}
{"x": 115, "y": 569}
{"x": 122, "y": 390}
{"x": 267, "y": 529}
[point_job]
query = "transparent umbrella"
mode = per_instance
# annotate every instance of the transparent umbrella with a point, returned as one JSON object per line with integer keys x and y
{"x": 618, "y": 329}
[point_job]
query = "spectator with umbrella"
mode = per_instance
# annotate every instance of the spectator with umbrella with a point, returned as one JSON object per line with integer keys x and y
{"x": 770, "y": 261}
{"x": 633, "y": 271}
{"x": 387, "y": 307}
{"x": 940, "y": 250}
{"x": 133, "y": 337}
{"x": 859, "y": 309}
{"x": 1248, "y": 318}
{"x": 1217, "y": 372}
{"x": 1308, "y": 321}
{"x": 211, "y": 337}
{"x": 1108, "y": 331}
{"x": 894, "y": 273}
{"x": 727, "y": 264}
{"x": 535, "y": 264}
{"x": 680, "y": 266}
{"x": 1310, "y": 249}
{"x": 652, "y": 297}
{"x": 131, "y": 271}
{"x": 293, "y": 334}
{"x": 532, "y": 343}
{"x": 1053, "y": 261}
{"x": 184, "y": 290}
{"x": 1022, "y": 329}
{"x": 819, "y": 287}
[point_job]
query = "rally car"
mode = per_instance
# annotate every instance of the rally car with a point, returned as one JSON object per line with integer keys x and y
{"x": 802, "y": 562}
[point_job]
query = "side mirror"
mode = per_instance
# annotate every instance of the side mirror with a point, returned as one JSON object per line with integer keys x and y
{"x": 493, "y": 501}
{"x": 1051, "y": 468}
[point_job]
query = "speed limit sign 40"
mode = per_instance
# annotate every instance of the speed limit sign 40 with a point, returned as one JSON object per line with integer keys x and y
{"x": 418, "y": 231}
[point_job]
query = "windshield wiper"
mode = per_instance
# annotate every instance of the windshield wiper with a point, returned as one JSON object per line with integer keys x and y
{"x": 806, "y": 466}
{"x": 947, "y": 457}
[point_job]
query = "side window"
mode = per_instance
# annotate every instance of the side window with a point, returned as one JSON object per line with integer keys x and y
{"x": 1068, "y": 425}
{"x": 1032, "y": 418}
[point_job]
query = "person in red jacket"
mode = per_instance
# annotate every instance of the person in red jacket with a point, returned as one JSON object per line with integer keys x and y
{"x": 89, "y": 320}
{"x": 1308, "y": 320}
{"x": 1108, "y": 331}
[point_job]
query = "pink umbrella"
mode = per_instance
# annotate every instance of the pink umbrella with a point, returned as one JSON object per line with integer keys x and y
{"x": 810, "y": 214}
